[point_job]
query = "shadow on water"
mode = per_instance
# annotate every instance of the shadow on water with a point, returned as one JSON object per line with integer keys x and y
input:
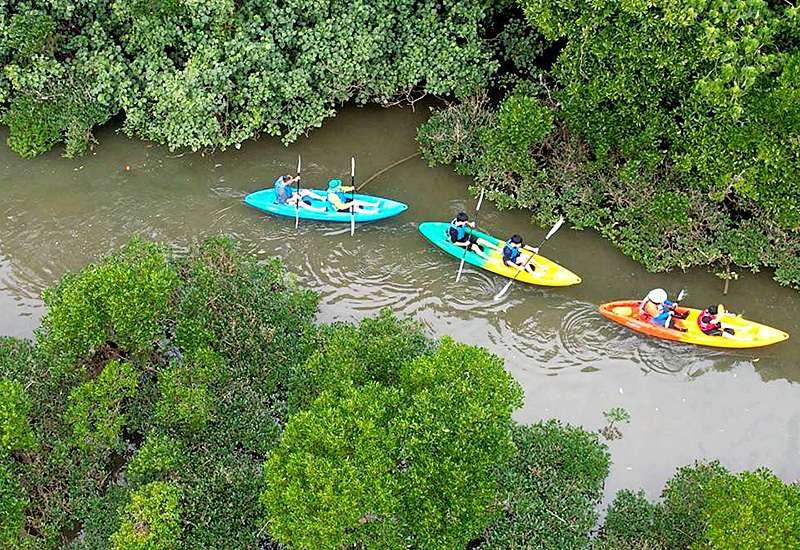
{"x": 686, "y": 402}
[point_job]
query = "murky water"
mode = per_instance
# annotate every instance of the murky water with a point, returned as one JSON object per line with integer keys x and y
{"x": 686, "y": 402}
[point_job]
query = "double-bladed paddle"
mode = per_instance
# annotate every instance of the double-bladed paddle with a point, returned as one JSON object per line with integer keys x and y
{"x": 464, "y": 256}
{"x": 352, "y": 195}
{"x": 298, "y": 199}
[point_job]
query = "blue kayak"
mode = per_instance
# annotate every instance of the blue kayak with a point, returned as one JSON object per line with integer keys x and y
{"x": 265, "y": 200}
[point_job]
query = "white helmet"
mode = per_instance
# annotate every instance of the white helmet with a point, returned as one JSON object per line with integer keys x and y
{"x": 657, "y": 296}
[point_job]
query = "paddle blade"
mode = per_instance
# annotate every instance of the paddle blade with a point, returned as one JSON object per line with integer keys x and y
{"x": 681, "y": 295}
{"x": 299, "y": 165}
{"x": 460, "y": 269}
{"x": 352, "y": 167}
{"x": 480, "y": 200}
{"x": 296, "y": 217}
{"x": 555, "y": 228}
{"x": 505, "y": 289}
{"x": 352, "y": 223}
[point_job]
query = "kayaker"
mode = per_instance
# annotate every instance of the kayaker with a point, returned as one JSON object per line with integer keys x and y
{"x": 461, "y": 236}
{"x": 286, "y": 194}
{"x": 337, "y": 200}
{"x": 709, "y": 322}
{"x": 657, "y": 309}
{"x": 513, "y": 257}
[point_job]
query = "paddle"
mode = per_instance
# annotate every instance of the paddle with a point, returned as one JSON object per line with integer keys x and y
{"x": 550, "y": 233}
{"x": 298, "y": 199}
{"x": 464, "y": 256}
{"x": 352, "y": 195}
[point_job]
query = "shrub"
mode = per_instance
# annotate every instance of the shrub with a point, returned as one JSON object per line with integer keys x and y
{"x": 15, "y": 431}
{"x": 152, "y": 520}
{"x": 550, "y": 488}
{"x": 186, "y": 402}
{"x": 13, "y": 502}
{"x": 112, "y": 308}
{"x": 630, "y": 524}
{"x": 158, "y": 458}
{"x": 347, "y": 356}
{"x": 752, "y": 511}
{"x": 378, "y": 466}
{"x": 676, "y": 523}
{"x": 95, "y": 407}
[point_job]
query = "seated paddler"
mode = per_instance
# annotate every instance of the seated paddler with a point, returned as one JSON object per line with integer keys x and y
{"x": 710, "y": 324}
{"x": 338, "y": 201}
{"x": 658, "y": 309}
{"x": 286, "y": 194}
{"x": 514, "y": 257}
{"x": 461, "y": 235}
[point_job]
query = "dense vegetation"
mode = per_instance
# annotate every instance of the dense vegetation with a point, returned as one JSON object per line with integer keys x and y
{"x": 190, "y": 402}
{"x": 672, "y": 128}
{"x": 215, "y": 73}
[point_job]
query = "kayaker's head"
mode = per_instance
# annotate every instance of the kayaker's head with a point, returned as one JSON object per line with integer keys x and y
{"x": 712, "y": 310}
{"x": 516, "y": 241}
{"x": 286, "y": 179}
{"x": 462, "y": 217}
{"x": 333, "y": 185}
{"x": 657, "y": 296}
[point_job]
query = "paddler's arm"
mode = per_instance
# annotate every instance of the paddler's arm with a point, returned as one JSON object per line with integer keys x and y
{"x": 533, "y": 249}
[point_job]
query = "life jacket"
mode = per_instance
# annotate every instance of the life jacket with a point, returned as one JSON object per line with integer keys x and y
{"x": 649, "y": 309}
{"x": 337, "y": 200}
{"x": 510, "y": 253}
{"x": 457, "y": 232}
{"x": 706, "y": 321}
{"x": 283, "y": 191}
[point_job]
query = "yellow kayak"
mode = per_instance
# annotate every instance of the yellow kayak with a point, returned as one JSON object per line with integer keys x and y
{"x": 747, "y": 334}
{"x": 547, "y": 272}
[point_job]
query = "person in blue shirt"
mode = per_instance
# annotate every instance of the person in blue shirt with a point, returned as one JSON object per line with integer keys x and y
{"x": 286, "y": 194}
{"x": 514, "y": 258}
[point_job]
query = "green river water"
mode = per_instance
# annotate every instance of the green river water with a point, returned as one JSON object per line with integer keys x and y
{"x": 686, "y": 402}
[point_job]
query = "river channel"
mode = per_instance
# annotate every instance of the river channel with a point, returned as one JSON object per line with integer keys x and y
{"x": 686, "y": 402}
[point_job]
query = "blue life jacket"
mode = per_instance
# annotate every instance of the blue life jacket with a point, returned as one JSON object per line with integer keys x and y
{"x": 510, "y": 253}
{"x": 283, "y": 191}
{"x": 459, "y": 230}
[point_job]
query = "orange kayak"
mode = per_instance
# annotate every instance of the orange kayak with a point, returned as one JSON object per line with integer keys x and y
{"x": 747, "y": 334}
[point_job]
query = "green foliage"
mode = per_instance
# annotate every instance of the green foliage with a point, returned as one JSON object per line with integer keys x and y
{"x": 95, "y": 408}
{"x": 152, "y": 520}
{"x": 191, "y": 354}
{"x": 13, "y": 501}
{"x": 550, "y": 489}
{"x": 216, "y": 73}
{"x": 372, "y": 352}
{"x": 186, "y": 402}
{"x": 680, "y": 520}
{"x": 520, "y": 124}
{"x": 332, "y": 482}
{"x": 630, "y": 524}
{"x": 675, "y": 523}
{"x": 379, "y": 462}
{"x": 15, "y": 430}
{"x": 111, "y": 308}
{"x": 158, "y": 458}
{"x": 754, "y": 510}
